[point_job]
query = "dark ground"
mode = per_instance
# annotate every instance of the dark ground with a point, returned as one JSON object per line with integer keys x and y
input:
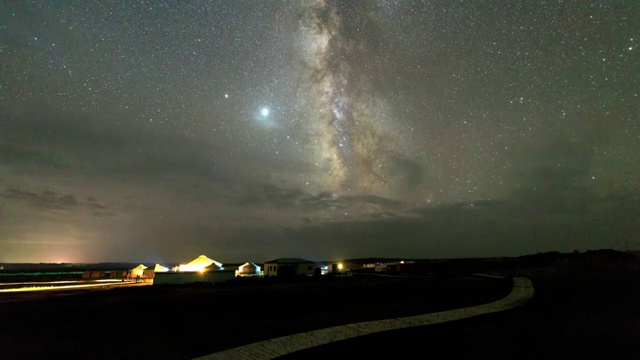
{"x": 183, "y": 322}
{"x": 579, "y": 312}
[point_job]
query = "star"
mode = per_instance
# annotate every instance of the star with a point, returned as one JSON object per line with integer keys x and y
{"x": 264, "y": 112}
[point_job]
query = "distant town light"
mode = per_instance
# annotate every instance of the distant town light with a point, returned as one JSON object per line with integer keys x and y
{"x": 340, "y": 266}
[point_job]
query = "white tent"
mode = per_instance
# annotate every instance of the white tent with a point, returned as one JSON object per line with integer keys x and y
{"x": 160, "y": 268}
{"x": 199, "y": 264}
{"x": 248, "y": 269}
{"x": 138, "y": 270}
{"x": 213, "y": 267}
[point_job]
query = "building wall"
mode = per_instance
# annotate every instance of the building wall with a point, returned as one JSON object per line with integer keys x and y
{"x": 118, "y": 274}
{"x": 148, "y": 273}
{"x": 382, "y": 267}
{"x": 192, "y": 277}
{"x": 249, "y": 270}
{"x": 93, "y": 274}
{"x": 295, "y": 269}
{"x": 137, "y": 272}
{"x": 270, "y": 269}
{"x": 305, "y": 269}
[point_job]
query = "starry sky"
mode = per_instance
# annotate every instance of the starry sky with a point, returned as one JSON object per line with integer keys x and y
{"x": 249, "y": 130}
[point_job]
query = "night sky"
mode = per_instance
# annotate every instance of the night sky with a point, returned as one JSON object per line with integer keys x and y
{"x": 249, "y": 130}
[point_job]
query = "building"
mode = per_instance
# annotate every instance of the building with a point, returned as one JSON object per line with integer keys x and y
{"x": 249, "y": 269}
{"x": 213, "y": 267}
{"x": 289, "y": 267}
{"x": 148, "y": 273}
{"x": 201, "y": 269}
{"x": 138, "y": 271}
{"x": 187, "y": 277}
{"x": 390, "y": 266}
{"x": 198, "y": 264}
{"x": 337, "y": 267}
{"x": 322, "y": 269}
{"x": 411, "y": 267}
{"x": 382, "y": 267}
{"x": 160, "y": 268}
{"x": 94, "y": 274}
{"x": 118, "y": 274}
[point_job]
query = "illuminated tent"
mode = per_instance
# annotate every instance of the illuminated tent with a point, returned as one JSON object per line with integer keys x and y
{"x": 213, "y": 267}
{"x": 160, "y": 268}
{"x": 199, "y": 264}
{"x": 248, "y": 269}
{"x": 138, "y": 270}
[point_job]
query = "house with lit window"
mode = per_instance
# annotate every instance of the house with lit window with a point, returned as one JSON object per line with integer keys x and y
{"x": 284, "y": 267}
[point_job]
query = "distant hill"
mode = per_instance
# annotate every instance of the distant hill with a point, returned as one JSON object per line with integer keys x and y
{"x": 603, "y": 258}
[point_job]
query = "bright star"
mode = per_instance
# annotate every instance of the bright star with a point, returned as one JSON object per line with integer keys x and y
{"x": 264, "y": 112}
{"x": 226, "y": 96}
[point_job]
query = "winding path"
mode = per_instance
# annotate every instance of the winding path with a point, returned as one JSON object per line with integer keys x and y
{"x": 521, "y": 292}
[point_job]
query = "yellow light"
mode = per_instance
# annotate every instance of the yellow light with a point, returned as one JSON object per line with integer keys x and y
{"x": 339, "y": 266}
{"x": 187, "y": 268}
{"x": 68, "y": 287}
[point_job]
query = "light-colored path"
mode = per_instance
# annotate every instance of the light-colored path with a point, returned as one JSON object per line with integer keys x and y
{"x": 521, "y": 292}
{"x": 53, "y": 287}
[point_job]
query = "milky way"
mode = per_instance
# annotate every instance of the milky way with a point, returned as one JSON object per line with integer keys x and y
{"x": 346, "y": 115}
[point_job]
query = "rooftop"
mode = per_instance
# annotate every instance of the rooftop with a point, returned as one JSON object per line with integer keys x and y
{"x": 289, "y": 261}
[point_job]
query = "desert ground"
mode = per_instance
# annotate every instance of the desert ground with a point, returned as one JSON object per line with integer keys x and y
{"x": 585, "y": 306}
{"x": 577, "y": 313}
{"x": 182, "y": 322}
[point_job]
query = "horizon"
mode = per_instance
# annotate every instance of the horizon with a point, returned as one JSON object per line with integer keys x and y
{"x": 581, "y": 252}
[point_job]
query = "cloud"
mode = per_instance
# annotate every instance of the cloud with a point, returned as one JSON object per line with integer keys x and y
{"x": 269, "y": 194}
{"x": 13, "y": 193}
{"x": 68, "y": 200}
{"x": 103, "y": 213}
{"x": 296, "y": 200}
{"x": 485, "y": 228}
{"x": 96, "y": 170}
{"x": 44, "y": 242}
{"x": 39, "y": 201}
{"x": 372, "y": 200}
{"x": 180, "y": 192}
{"x": 407, "y": 173}
{"x": 96, "y": 205}
{"x": 92, "y": 148}
{"x": 21, "y": 155}
{"x": 44, "y": 199}
{"x": 93, "y": 203}
{"x": 557, "y": 164}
